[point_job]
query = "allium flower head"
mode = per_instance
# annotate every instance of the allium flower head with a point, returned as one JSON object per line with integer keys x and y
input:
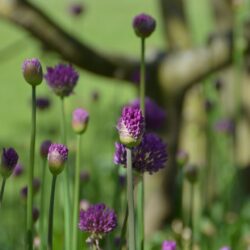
{"x": 155, "y": 116}
{"x": 97, "y": 219}
{"x": 168, "y": 245}
{"x": 32, "y": 71}
{"x": 131, "y": 126}
{"x": 225, "y": 126}
{"x": 8, "y": 162}
{"x": 44, "y": 148}
{"x": 57, "y": 156}
{"x": 18, "y": 170}
{"x": 149, "y": 156}
{"x": 61, "y": 79}
{"x": 42, "y": 103}
{"x": 80, "y": 119}
{"x": 144, "y": 25}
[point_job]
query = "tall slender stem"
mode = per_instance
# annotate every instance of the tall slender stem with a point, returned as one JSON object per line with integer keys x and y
{"x": 140, "y": 206}
{"x": 65, "y": 189}
{"x": 76, "y": 194}
{"x": 130, "y": 197}
{"x": 51, "y": 213}
{"x": 2, "y": 191}
{"x": 191, "y": 208}
{"x": 31, "y": 173}
{"x": 42, "y": 206}
{"x": 124, "y": 227}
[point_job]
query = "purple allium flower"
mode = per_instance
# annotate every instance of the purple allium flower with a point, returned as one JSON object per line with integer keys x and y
{"x": 97, "y": 219}
{"x": 149, "y": 156}
{"x": 182, "y": 158}
{"x": 8, "y": 162}
{"x": 18, "y": 170}
{"x": 144, "y": 25}
{"x": 155, "y": 116}
{"x": 225, "y": 126}
{"x": 225, "y": 248}
{"x": 61, "y": 79}
{"x": 24, "y": 192}
{"x": 131, "y": 126}
{"x": 76, "y": 9}
{"x": 84, "y": 176}
{"x": 32, "y": 71}
{"x": 42, "y": 103}
{"x": 122, "y": 180}
{"x": 44, "y": 148}
{"x": 168, "y": 245}
{"x": 57, "y": 156}
{"x": 35, "y": 214}
{"x": 80, "y": 119}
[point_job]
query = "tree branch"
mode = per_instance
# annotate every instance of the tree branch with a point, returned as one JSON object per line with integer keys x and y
{"x": 32, "y": 19}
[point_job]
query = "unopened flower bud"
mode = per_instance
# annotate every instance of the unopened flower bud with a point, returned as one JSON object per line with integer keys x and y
{"x": 131, "y": 126}
{"x": 144, "y": 25}
{"x": 8, "y": 162}
{"x": 80, "y": 119}
{"x": 32, "y": 71}
{"x": 57, "y": 156}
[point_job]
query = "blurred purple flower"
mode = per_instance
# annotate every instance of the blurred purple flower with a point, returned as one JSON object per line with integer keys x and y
{"x": 225, "y": 126}
{"x": 44, "y": 148}
{"x": 84, "y": 176}
{"x": 42, "y": 103}
{"x": 76, "y": 9}
{"x": 155, "y": 116}
{"x": 225, "y": 248}
{"x": 18, "y": 170}
{"x": 168, "y": 245}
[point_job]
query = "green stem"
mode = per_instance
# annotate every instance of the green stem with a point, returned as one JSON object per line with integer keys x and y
{"x": 76, "y": 194}
{"x": 42, "y": 206}
{"x": 51, "y": 213}
{"x": 2, "y": 191}
{"x": 140, "y": 207}
{"x": 130, "y": 197}
{"x": 124, "y": 228}
{"x": 65, "y": 189}
{"x": 191, "y": 208}
{"x": 31, "y": 173}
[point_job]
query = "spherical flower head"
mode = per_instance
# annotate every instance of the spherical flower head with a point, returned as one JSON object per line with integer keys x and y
{"x": 131, "y": 126}
{"x": 61, "y": 79}
{"x": 42, "y": 103}
{"x": 155, "y": 116}
{"x": 225, "y": 126}
{"x": 44, "y": 148}
{"x": 97, "y": 220}
{"x": 8, "y": 161}
{"x": 18, "y": 170}
{"x": 32, "y": 71}
{"x": 80, "y": 119}
{"x": 144, "y": 25}
{"x": 149, "y": 156}
{"x": 57, "y": 156}
{"x": 36, "y": 186}
{"x": 168, "y": 245}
